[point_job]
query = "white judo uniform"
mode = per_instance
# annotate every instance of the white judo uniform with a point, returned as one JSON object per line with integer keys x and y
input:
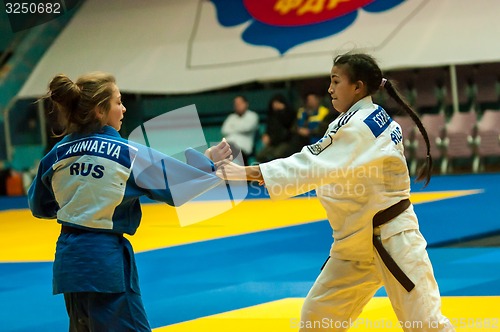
{"x": 358, "y": 169}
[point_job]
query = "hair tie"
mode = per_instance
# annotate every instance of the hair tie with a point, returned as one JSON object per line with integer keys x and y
{"x": 382, "y": 84}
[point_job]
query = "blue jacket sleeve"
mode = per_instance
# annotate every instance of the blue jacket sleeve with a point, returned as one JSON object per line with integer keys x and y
{"x": 199, "y": 160}
{"x": 166, "y": 179}
{"x": 41, "y": 199}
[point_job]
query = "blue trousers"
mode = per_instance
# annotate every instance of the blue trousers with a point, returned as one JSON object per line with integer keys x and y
{"x": 107, "y": 312}
{"x": 110, "y": 312}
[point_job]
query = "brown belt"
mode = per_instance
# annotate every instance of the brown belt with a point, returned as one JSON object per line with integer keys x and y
{"x": 379, "y": 219}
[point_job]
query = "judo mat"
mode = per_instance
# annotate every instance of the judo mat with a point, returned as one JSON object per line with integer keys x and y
{"x": 249, "y": 268}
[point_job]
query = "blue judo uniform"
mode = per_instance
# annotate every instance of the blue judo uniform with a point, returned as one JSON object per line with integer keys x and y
{"x": 91, "y": 184}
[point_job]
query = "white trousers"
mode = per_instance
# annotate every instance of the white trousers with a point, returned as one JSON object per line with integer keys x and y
{"x": 343, "y": 288}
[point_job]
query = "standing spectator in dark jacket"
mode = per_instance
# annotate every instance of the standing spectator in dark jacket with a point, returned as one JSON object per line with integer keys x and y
{"x": 280, "y": 119}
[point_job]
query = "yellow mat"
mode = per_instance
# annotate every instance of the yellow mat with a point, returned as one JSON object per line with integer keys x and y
{"x": 25, "y": 238}
{"x": 467, "y": 314}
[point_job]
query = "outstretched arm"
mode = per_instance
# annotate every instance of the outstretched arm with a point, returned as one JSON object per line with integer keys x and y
{"x": 231, "y": 171}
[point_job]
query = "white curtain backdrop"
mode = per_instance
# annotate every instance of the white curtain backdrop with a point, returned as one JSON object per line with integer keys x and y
{"x": 178, "y": 46}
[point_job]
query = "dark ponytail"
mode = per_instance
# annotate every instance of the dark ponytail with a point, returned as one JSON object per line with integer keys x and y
{"x": 425, "y": 171}
{"x": 64, "y": 92}
{"x": 64, "y": 95}
{"x": 363, "y": 67}
{"x": 76, "y": 102}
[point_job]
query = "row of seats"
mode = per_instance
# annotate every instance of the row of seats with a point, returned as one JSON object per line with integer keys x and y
{"x": 465, "y": 135}
{"x": 429, "y": 90}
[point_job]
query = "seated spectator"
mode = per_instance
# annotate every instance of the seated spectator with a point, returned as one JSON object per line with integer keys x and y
{"x": 307, "y": 128}
{"x": 325, "y": 123}
{"x": 280, "y": 119}
{"x": 240, "y": 127}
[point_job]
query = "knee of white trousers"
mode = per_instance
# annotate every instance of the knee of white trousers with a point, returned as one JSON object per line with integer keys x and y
{"x": 320, "y": 317}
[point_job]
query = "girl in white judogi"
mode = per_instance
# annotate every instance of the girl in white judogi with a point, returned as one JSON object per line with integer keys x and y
{"x": 360, "y": 175}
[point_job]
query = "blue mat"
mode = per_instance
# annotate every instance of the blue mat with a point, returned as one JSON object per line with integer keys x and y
{"x": 463, "y": 218}
{"x": 197, "y": 280}
{"x": 200, "y": 279}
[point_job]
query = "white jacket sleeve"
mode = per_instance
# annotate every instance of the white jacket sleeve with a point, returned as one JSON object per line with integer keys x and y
{"x": 340, "y": 151}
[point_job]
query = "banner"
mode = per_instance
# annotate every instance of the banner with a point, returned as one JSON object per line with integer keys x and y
{"x": 187, "y": 46}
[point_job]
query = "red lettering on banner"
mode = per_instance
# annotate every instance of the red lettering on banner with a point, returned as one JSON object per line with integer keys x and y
{"x": 300, "y": 12}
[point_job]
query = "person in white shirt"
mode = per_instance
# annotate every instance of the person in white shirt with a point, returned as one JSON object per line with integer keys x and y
{"x": 360, "y": 175}
{"x": 240, "y": 127}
